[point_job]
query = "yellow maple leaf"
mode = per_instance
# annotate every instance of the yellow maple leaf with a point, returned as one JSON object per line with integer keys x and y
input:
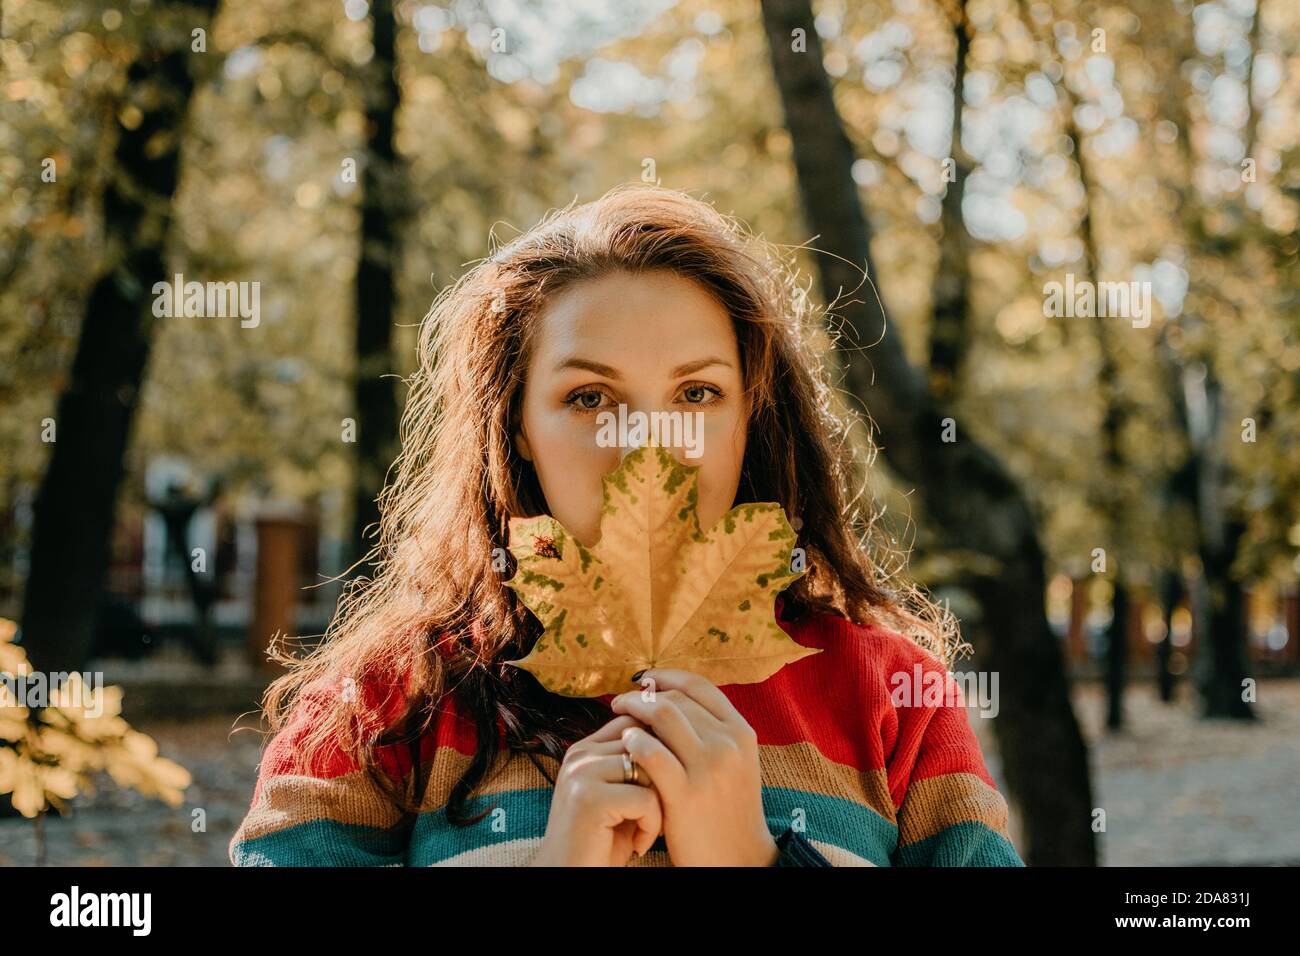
{"x": 655, "y": 591}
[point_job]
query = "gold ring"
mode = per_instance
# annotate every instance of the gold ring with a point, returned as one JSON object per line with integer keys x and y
{"x": 630, "y": 769}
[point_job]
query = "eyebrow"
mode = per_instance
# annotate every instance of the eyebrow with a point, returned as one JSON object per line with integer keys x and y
{"x": 611, "y": 372}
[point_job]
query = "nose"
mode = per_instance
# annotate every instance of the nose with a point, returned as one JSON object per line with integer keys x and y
{"x": 642, "y": 437}
{"x": 642, "y": 421}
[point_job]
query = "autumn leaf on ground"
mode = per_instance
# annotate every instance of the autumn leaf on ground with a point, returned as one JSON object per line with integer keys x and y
{"x": 655, "y": 591}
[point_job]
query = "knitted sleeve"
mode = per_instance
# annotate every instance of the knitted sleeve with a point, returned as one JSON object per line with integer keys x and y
{"x": 796, "y": 850}
{"x": 951, "y": 813}
{"x": 334, "y": 814}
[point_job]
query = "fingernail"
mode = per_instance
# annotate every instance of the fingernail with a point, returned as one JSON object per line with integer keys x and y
{"x": 637, "y": 675}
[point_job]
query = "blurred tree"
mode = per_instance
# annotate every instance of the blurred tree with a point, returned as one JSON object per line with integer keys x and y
{"x": 1105, "y": 490}
{"x": 1203, "y": 411}
{"x": 385, "y": 190}
{"x": 76, "y": 503}
{"x": 973, "y": 502}
{"x": 949, "y": 331}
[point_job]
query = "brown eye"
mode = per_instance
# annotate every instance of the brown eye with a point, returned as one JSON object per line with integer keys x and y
{"x": 701, "y": 394}
{"x": 587, "y": 400}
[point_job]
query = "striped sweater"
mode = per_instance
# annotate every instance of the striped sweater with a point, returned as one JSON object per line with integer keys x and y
{"x": 864, "y": 781}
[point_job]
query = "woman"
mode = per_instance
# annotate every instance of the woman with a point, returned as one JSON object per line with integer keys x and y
{"x": 404, "y": 739}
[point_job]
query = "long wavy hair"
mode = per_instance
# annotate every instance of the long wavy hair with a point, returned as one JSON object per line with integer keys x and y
{"x": 438, "y": 614}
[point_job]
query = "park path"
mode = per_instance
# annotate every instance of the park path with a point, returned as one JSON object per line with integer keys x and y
{"x": 1179, "y": 790}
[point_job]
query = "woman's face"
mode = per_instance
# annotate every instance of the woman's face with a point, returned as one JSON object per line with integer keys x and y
{"x": 656, "y": 342}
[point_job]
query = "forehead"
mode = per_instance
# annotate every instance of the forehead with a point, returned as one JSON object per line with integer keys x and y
{"x": 651, "y": 318}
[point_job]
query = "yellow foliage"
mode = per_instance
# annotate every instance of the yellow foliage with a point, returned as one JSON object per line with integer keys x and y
{"x": 49, "y": 758}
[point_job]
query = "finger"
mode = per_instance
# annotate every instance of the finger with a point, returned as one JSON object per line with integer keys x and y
{"x": 640, "y": 841}
{"x": 602, "y": 761}
{"x": 618, "y": 747}
{"x": 645, "y": 838}
{"x": 624, "y": 839}
{"x": 703, "y": 721}
{"x": 608, "y": 768}
{"x": 697, "y": 687}
{"x": 655, "y": 763}
{"x": 649, "y": 821}
{"x": 606, "y": 747}
{"x": 667, "y": 721}
{"x": 619, "y": 802}
{"x": 614, "y": 729}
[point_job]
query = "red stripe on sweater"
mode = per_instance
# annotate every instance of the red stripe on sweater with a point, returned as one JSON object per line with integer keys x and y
{"x": 839, "y": 701}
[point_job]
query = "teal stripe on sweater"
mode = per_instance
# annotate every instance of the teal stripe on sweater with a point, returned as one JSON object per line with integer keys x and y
{"x": 962, "y": 844}
{"x": 323, "y": 843}
{"x": 523, "y": 813}
{"x": 843, "y": 823}
{"x": 520, "y": 814}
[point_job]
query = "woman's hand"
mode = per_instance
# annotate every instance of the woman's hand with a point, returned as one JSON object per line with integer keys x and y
{"x": 703, "y": 760}
{"x": 596, "y": 819}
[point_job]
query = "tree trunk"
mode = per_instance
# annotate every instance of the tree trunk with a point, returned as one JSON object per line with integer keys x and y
{"x": 75, "y": 506}
{"x": 970, "y": 498}
{"x": 949, "y": 333}
{"x": 1223, "y": 664}
{"x": 1252, "y": 114}
{"x": 1102, "y": 493}
{"x": 1200, "y": 406}
{"x": 375, "y": 399}
{"x": 1117, "y": 657}
{"x": 1221, "y": 661}
{"x": 1106, "y": 481}
{"x": 1171, "y": 590}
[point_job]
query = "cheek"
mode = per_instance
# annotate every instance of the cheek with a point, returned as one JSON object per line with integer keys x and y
{"x": 720, "y": 466}
{"x": 569, "y": 467}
